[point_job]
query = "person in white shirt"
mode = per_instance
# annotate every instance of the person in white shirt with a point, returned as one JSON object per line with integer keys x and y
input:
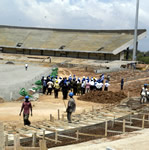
{"x": 59, "y": 80}
{"x": 26, "y": 67}
{"x": 106, "y": 85}
{"x": 92, "y": 84}
{"x": 50, "y": 87}
{"x": 83, "y": 85}
{"x": 144, "y": 90}
{"x": 99, "y": 86}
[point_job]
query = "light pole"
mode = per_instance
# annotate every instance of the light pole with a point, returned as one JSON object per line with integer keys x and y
{"x": 135, "y": 45}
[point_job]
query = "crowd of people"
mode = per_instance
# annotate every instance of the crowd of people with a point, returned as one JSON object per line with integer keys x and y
{"x": 69, "y": 86}
{"x": 78, "y": 86}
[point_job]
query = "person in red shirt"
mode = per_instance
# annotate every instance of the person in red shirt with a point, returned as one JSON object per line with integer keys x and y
{"x": 27, "y": 107}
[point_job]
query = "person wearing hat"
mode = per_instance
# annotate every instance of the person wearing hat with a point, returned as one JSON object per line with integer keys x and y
{"x": 78, "y": 87}
{"x": 56, "y": 89}
{"x": 71, "y": 107}
{"x": 26, "y": 67}
{"x": 26, "y": 108}
{"x": 50, "y": 86}
{"x": 44, "y": 86}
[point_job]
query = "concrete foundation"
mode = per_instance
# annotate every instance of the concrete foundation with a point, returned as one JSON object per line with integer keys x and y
{"x": 14, "y": 77}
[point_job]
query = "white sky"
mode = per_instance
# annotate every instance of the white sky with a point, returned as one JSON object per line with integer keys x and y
{"x": 78, "y": 14}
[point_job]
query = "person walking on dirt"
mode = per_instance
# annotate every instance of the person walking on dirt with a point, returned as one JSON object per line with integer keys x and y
{"x": 56, "y": 89}
{"x": 144, "y": 94}
{"x": 144, "y": 90}
{"x": 26, "y": 67}
{"x": 71, "y": 107}
{"x": 26, "y": 108}
{"x": 122, "y": 83}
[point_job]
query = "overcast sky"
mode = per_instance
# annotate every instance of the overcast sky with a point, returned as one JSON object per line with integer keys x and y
{"x": 78, "y": 14}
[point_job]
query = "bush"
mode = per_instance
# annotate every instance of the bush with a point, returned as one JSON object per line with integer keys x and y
{"x": 144, "y": 59}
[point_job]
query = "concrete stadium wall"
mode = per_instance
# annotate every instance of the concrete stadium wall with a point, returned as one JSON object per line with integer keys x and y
{"x": 73, "y": 55}
{"x": 48, "y": 53}
{"x": 65, "y": 54}
{"x": 9, "y": 50}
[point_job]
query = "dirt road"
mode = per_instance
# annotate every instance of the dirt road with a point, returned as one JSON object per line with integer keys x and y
{"x": 46, "y": 105}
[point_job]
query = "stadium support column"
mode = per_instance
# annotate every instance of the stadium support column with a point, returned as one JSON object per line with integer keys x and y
{"x": 135, "y": 32}
{"x": 127, "y": 53}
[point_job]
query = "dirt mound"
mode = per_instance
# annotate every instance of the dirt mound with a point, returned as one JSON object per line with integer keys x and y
{"x": 103, "y": 97}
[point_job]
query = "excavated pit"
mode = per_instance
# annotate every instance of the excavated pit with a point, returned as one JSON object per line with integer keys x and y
{"x": 97, "y": 129}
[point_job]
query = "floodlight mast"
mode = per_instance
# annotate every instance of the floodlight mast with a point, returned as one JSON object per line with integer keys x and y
{"x": 135, "y": 45}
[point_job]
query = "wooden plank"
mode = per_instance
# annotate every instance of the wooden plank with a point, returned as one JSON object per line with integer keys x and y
{"x": 43, "y": 145}
{"x": 17, "y": 142}
{"x": 106, "y": 128}
{"x": 130, "y": 119}
{"x": 24, "y": 135}
{"x": 30, "y": 148}
{"x": 34, "y": 139}
{"x": 2, "y": 139}
{"x": 112, "y": 131}
{"x": 58, "y": 114}
{"x": 6, "y": 140}
{"x": 56, "y": 137}
{"x": 143, "y": 121}
{"x": 9, "y": 148}
{"x": 31, "y": 128}
{"x": 138, "y": 119}
{"x": 47, "y": 128}
{"x": 77, "y": 133}
{"x": 85, "y": 122}
{"x": 22, "y": 148}
{"x": 48, "y": 139}
{"x": 86, "y": 134}
{"x": 92, "y": 121}
{"x": 133, "y": 127}
{"x": 43, "y": 134}
{"x": 144, "y": 114}
{"x": 124, "y": 124}
{"x": 53, "y": 124}
{"x": 65, "y": 136}
{"x": 120, "y": 121}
